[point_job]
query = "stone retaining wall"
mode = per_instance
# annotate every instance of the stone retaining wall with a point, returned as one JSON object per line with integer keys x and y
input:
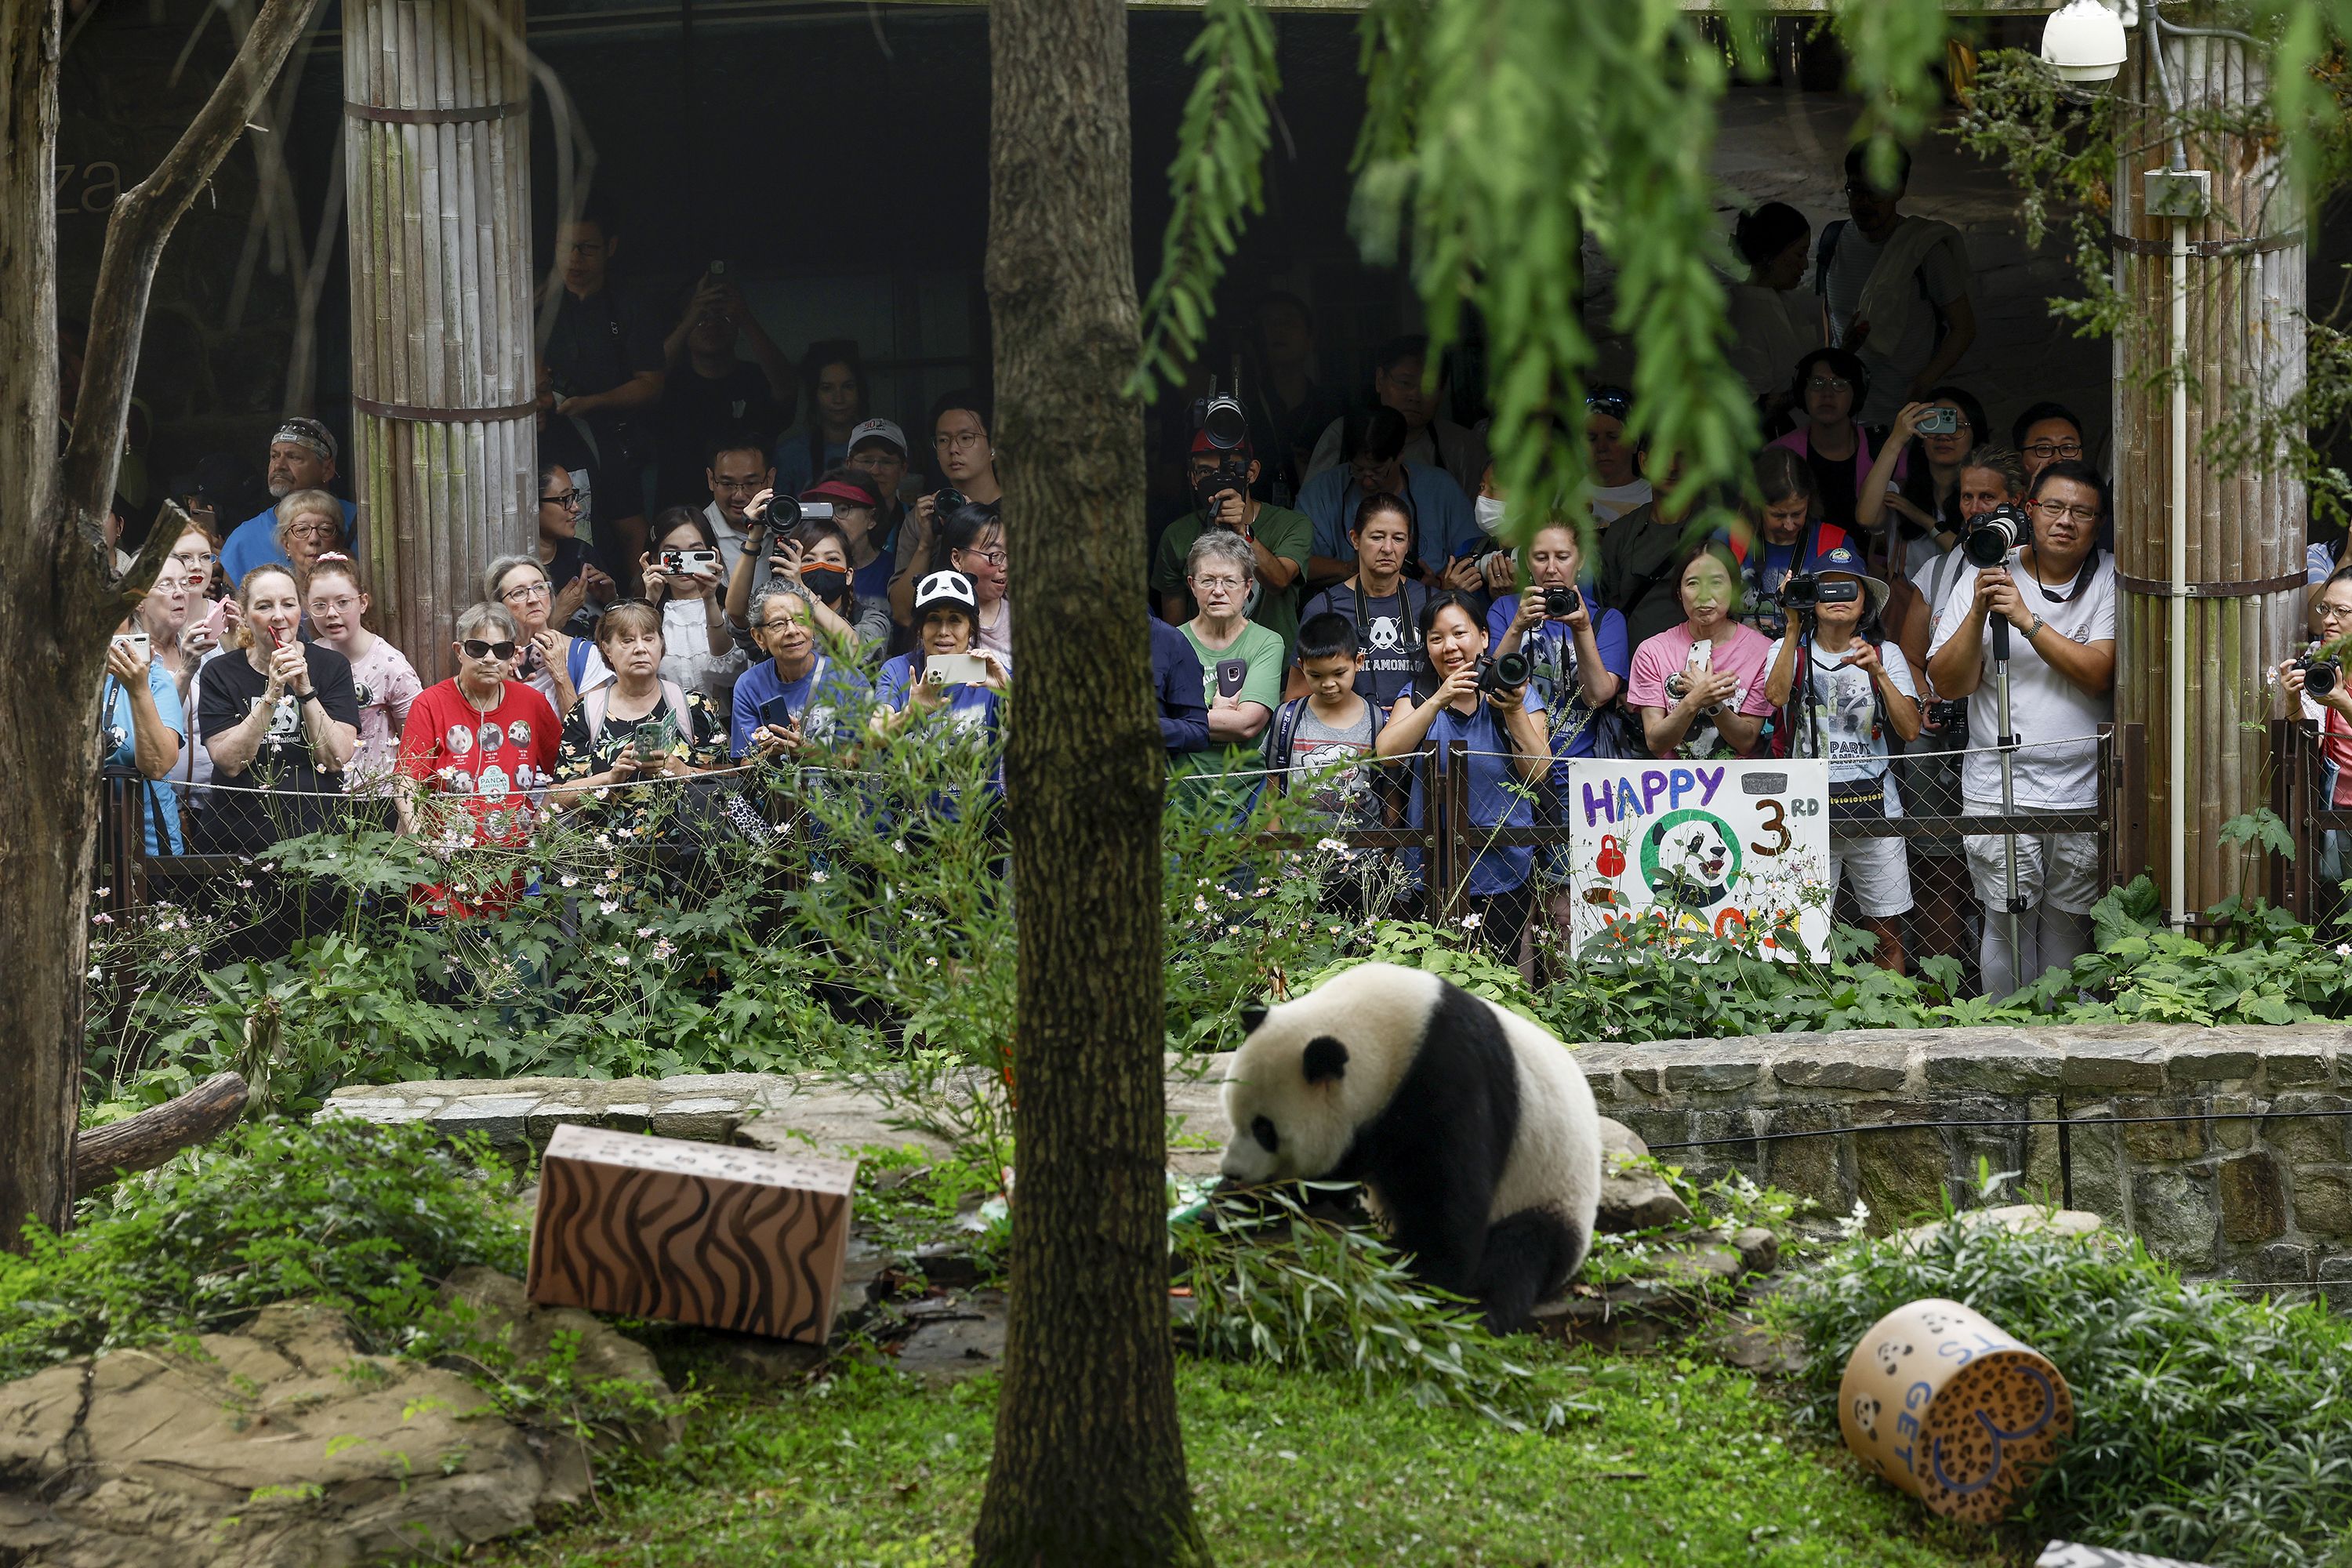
{"x": 2262, "y": 1192}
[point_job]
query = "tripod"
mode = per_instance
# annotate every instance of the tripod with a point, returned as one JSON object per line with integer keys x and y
{"x": 2006, "y": 743}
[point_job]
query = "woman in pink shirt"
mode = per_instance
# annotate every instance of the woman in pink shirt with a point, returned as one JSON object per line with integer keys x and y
{"x": 1700, "y": 687}
{"x": 385, "y": 681}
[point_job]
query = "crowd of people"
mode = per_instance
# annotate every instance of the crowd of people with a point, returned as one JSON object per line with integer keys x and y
{"x": 735, "y": 557}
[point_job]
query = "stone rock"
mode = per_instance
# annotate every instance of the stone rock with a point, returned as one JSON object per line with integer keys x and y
{"x": 2175, "y": 1214}
{"x": 2254, "y": 1209}
{"x": 1810, "y": 1167}
{"x": 954, "y": 1338}
{"x": 1689, "y": 1266}
{"x": 2018, "y": 1217}
{"x": 1901, "y": 1174}
{"x": 1751, "y": 1348}
{"x": 1759, "y": 1248}
{"x": 279, "y": 1447}
{"x": 2322, "y": 1203}
{"x": 605, "y": 1354}
{"x": 1631, "y": 1200}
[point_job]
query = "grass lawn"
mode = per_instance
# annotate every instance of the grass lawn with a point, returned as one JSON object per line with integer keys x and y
{"x": 1686, "y": 1464}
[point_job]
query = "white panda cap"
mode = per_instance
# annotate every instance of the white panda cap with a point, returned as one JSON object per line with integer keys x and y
{"x": 947, "y": 588}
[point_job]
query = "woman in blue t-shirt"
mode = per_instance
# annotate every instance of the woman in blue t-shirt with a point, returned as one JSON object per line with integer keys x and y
{"x": 947, "y": 620}
{"x": 1510, "y": 752}
{"x": 145, "y": 729}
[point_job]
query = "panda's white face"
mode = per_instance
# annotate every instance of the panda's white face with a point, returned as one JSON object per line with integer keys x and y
{"x": 1315, "y": 1069}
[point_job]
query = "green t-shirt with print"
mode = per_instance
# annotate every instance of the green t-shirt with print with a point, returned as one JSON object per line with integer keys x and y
{"x": 1261, "y": 651}
{"x": 1287, "y": 535}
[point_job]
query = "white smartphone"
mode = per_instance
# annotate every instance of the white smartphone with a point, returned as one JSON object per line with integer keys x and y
{"x": 681, "y": 562}
{"x": 955, "y": 668}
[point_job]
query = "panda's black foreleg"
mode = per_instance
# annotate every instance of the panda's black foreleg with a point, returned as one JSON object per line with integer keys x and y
{"x": 1527, "y": 1256}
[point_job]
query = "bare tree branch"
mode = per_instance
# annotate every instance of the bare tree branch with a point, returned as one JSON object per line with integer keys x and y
{"x": 143, "y": 220}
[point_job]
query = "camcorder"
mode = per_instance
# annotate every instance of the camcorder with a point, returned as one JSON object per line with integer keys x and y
{"x": 679, "y": 562}
{"x": 1804, "y": 591}
{"x": 1991, "y": 536}
{"x": 2319, "y": 674}
{"x": 1501, "y": 674}
{"x": 1560, "y": 602}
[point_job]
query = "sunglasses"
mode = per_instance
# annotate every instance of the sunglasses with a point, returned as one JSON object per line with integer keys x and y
{"x": 477, "y": 649}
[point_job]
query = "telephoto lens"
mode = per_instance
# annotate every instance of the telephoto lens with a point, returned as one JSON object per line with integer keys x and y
{"x": 1993, "y": 534}
{"x": 1802, "y": 591}
{"x": 946, "y": 503}
{"x": 1560, "y": 603}
{"x": 1503, "y": 673}
{"x": 1223, "y": 421}
{"x": 782, "y": 512}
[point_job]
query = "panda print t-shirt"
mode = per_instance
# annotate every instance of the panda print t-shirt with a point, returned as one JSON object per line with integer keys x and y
{"x": 1387, "y": 633}
{"x": 496, "y": 762}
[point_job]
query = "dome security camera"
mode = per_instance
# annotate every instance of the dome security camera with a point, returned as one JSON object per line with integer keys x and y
{"x": 2084, "y": 40}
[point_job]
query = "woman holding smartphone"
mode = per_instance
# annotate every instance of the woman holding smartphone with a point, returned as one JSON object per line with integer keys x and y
{"x": 145, "y": 725}
{"x": 681, "y": 579}
{"x": 641, "y": 726}
{"x": 280, "y": 723}
{"x": 944, "y": 674}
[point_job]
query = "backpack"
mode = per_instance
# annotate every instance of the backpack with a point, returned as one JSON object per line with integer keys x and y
{"x": 1282, "y": 741}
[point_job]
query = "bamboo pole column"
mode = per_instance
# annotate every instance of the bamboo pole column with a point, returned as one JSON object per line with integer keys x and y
{"x": 2246, "y": 532}
{"x": 443, "y": 434}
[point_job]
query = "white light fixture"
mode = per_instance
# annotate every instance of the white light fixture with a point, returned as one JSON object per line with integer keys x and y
{"x": 2083, "y": 41}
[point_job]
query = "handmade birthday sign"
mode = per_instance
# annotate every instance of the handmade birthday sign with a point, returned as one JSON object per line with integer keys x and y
{"x": 1724, "y": 848}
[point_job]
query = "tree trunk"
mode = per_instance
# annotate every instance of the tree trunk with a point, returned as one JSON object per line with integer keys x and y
{"x": 1089, "y": 1461}
{"x": 64, "y": 599}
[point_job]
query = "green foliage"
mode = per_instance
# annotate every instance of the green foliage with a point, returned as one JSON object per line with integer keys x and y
{"x": 1217, "y": 180}
{"x": 1445, "y": 952}
{"x": 1313, "y": 1297}
{"x": 2208, "y": 1427}
{"x": 367, "y": 1219}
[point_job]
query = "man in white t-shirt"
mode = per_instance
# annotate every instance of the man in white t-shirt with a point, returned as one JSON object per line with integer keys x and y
{"x": 2058, "y": 597}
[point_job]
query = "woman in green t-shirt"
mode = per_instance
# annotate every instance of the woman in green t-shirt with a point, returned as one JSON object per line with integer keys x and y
{"x": 1240, "y": 660}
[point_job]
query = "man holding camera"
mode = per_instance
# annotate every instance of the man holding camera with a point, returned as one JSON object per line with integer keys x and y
{"x": 2055, "y": 593}
{"x": 1279, "y": 541}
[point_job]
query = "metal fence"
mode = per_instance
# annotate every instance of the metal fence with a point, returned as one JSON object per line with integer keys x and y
{"x": 1946, "y": 918}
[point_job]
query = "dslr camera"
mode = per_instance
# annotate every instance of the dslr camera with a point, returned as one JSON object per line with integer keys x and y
{"x": 946, "y": 503}
{"x": 1991, "y": 536}
{"x": 1502, "y": 673}
{"x": 1560, "y": 602}
{"x": 1949, "y": 715}
{"x": 1804, "y": 591}
{"x": 1221, "y": 418}
{"x": 2319, "y": 675}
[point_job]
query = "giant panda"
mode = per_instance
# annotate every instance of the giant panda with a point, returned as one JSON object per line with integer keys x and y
{"x": 1474, "y": 1130}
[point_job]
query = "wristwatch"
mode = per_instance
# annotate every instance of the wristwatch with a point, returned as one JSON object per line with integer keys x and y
{"x": 2036, "y": 629}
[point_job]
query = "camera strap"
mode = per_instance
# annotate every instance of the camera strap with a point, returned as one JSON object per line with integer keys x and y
{"x": 2083, "y": 575}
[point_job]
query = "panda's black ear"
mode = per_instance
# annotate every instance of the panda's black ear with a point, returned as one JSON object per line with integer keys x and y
{"x": 1325, "y": 1059}
{"x": 1253, "y": 1015}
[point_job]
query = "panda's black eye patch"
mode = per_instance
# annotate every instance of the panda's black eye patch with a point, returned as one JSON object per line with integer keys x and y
{"x": 1267, "y": 1138}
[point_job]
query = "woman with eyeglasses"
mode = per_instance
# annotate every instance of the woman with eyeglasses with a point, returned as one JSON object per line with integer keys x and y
{"x": 2057, "y": 595}
{"x": 309, "y": 524}
{"x": 1828, "y": 385}
{"x": 383, "y": 679}
{"x": 681, "y": 579}
{"x": 1929, "y": 441}
{"x": 974, "y": 545}
{"x": 965, "y": 461}
{"x": 1242, "y": 662}
{"x": 555, "y": 664}
{"x": 281, "y": 724}
{"x": 576, "y": 580}
{"x": 181, "y": 625}
{"x": 645, "y": 725}
{"x": 478, "y": 749}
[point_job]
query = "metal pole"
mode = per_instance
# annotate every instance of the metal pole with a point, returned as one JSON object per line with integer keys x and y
{"x": 2006, "y": 743}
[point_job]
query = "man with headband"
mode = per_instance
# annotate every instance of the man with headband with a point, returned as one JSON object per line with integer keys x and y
{"x": 302, "y": 457}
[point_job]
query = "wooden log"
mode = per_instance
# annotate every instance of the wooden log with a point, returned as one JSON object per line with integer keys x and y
{"x": 143, "y": 1141}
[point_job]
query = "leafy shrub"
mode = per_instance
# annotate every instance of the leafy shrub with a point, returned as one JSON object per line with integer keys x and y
{"x": 2208, "y": 1427}
{"x": 366, "y": 1220}
{"x": 1316, "y": 1297}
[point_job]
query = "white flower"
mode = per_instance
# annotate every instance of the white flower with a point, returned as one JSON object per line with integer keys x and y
{"x": 620, "y": 959}
{"x": 99, "y": 892}
{"x": 816, "y": 875}
{"x": 643, "y": 931}
{"x": 1200, "y": 906}
{"x": 609, "y": 907}
{"x": 1333, "y": 846}
{"x": 897, "y": 846}
{"x": 662, "y": 949}
{"x": 570, "y": 880}
{"x": 1471, "y": 921}
{"x": 932, "y": 963}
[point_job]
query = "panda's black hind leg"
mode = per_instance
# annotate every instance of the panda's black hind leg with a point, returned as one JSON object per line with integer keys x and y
{"x": 1527, "y": 1256}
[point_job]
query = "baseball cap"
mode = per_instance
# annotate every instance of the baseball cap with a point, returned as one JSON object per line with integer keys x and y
{"x": 1847, "y": 561}
{"x": 881, "y": 429}
{"x": 309, "y": 433}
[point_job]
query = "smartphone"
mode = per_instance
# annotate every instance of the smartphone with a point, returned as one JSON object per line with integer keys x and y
{"x": 955, "y": 668}
{"x": 776, "y": 713}
{"x": 660, "y": 736}
{"x": 682, "y": 561}
{"x": 1940, "y": 422}
{"x": 1702, "y": 657}
{"x": 138, "y": 642}
{"x": 1230, "y": 673}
